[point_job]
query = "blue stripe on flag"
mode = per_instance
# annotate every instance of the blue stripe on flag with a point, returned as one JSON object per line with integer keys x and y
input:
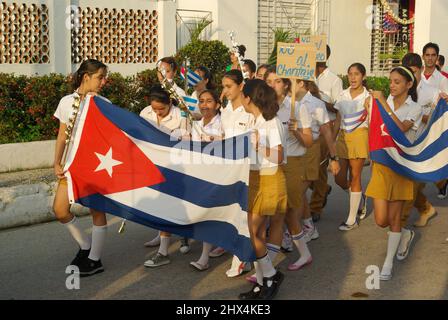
{"x": 190, "y": 100}
{"x": 200, "y": 192}
{"x": 381, "y": 156}
{"x": 235, "y": 148}
{"x": 219, "y": 233}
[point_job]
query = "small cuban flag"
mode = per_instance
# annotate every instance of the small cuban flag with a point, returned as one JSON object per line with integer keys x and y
{"x": 193, "y": 78}
{"x": 191, "y": 103}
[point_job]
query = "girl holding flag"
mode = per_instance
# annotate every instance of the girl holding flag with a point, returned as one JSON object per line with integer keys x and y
{"x": 389, "y": 189}
{"x": 165, "y": 116}
{"x": 267, "y": 184}
{"x": 235, "y": 121}
{"x": 351, "y": 130}
{"x": 211, "y": 124}
{"x": 89, "y": 79}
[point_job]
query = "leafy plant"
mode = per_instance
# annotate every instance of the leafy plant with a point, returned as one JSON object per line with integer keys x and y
{"x": 280, "y": 35}
{"x": 201, "y": 25}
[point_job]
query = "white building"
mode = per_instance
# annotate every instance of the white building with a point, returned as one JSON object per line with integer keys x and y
{"x": 43, "y": 36}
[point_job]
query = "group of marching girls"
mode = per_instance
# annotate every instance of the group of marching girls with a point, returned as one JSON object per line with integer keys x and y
{"x": 327, "y": 130}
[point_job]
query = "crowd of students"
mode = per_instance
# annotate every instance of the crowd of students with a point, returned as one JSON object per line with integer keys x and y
{"x": 327, "y": 132}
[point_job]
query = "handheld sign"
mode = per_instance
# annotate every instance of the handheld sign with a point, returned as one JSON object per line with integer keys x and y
{"x": 320, "y": 42}
{"x": 296, "y": 62}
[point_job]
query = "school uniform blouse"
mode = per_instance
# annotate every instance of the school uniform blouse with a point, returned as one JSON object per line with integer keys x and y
{"x": 330, "y": 86}
{"x": 351, "y": 109}
{"x": 272, "y": 134}
{"x": 65, "y": 110}
{"x": 213, "y": 128}
{"x": 318, "y": 111}
{"x": 410, "y": 111}
{"x": 293, "y": 146}
{"x": 235, "y": 122}
{"x": 173, "y": 124}
{"x": 436, "y": 80}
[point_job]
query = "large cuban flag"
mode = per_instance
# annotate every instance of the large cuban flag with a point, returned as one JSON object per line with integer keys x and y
{"x": 121, "y": 164}
{"x": 425, "y": 160}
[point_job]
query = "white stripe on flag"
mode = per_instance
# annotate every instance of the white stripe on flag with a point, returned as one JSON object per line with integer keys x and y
{"x": 179, "y": 211}
{"x": 435, "y": 163}
{"x": 180, "y": 160}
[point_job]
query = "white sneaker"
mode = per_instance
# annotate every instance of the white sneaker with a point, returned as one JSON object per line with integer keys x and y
{"x": 287, "y": 244}
{"x": 405, "y": 244}
{"x": 346, "y": 227}
{"x": 238, "y": 268}
{"x": 386, "y": 274}
{"x": 184, "y": 246}
{"x": 154, "y": 242}
{"x": 362, "y": 213}
{"x": 311, "y": 233}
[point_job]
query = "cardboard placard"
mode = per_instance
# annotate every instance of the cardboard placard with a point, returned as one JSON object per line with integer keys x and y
{"x": 296, "y": 61}
{"x": 320, "y": 42}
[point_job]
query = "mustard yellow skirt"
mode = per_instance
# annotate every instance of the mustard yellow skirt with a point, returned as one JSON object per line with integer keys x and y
{"x": 267, "y": 192}
{"x": 385, "y": 184}
{"x": 295, "y": 184}
{"x": 353, "y": 145}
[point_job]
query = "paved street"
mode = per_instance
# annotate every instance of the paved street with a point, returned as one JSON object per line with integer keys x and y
{"x": 33, "y": 262}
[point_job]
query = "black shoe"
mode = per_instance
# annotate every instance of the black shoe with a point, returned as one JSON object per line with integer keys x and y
{"x": 443, "y": 193}
{"x": 269, "y": 292}
{"x": 316, "y": 216}
{"x": 80, "y": 256}
{"x": 90, "y": 267}
{"x": 326, "y": 196}
{"x": 253, "y": 294}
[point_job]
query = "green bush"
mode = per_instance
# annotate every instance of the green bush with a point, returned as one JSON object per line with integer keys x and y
{"x": 27, "y": 105}
{"x": 373, "y": 83}
{"x": 212, "y": 54}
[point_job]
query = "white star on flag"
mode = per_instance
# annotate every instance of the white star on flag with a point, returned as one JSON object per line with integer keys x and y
{"x": 107, "y": 162}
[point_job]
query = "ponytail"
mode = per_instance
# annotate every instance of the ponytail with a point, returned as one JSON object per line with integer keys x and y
{"x": 90, "y": 66}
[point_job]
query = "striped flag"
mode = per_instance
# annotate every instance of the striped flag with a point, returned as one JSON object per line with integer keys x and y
{"x": 193, "y": 78}
{"x": 123, "y": 165}
{"x": 191, "y": 103}
{"x": 425, "y": 159}
{"x": 355, "y": 120}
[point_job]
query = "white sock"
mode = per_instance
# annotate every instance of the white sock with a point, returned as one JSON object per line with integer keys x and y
{"x": 258, "y": 273}
{"x": 98, "y": 238}
{"x": 78, "y": 234}
{"x": 164, "y": 244}
{"x": 300, "y": 242}
{"x": 206, "y": 248}
{"x": 308, "y": 222}
{"x": 392, "y": 246}
{"x": 273, "y": 251}
{"x": 405, "y": 233}
{"x": 355, "y": 200}
{"x": 267, "y": 268}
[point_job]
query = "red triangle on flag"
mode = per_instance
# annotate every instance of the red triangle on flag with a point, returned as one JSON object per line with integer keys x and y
{"x": 379, "y": 136}
{"x": 107, "y": 161}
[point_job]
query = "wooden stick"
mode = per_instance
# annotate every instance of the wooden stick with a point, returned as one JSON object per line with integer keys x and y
{"x": 293, "y": 99}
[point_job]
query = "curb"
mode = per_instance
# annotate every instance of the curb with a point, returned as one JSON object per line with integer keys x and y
{"x": 25, "y": 205}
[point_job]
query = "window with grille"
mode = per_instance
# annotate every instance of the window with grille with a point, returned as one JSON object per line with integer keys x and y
{"x": 390, "y": 40}
{"x": 297, "y": 16}
{"x": 187, "y": 21}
